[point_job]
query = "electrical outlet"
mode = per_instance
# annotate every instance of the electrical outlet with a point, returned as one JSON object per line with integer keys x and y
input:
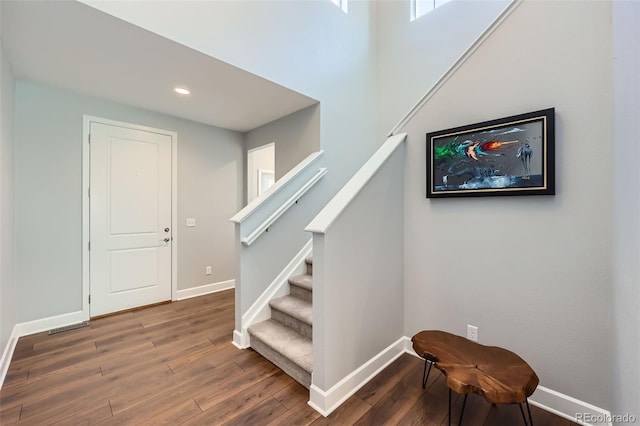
{"x": 191, "y": 221}
{"x": 472, "y": 332}
{"x": 208, "y": 270}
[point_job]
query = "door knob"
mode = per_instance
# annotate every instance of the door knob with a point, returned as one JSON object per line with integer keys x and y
{"x": 166, "y": 229}
{"x": 166, "y": 240}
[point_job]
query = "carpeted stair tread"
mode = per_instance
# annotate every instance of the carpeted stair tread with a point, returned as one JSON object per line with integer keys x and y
{"x": 294, "y": 307}
{"x": 293, "y": 346}
{"x": 304, "y": 281}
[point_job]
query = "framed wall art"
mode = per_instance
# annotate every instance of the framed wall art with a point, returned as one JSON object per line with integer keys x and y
{"x": 508, "y": 156}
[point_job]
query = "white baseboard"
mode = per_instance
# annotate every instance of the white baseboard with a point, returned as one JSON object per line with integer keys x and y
{"x": 7, "y": 354}
{"x": 325, "y": 402}
{"x": 188, "y": 293}
{"x": 45, "y": 324}
{"x": 240, "y": 341}
{"x": 32, "y": 327}
{"x": 560, "y": 404}
{"x": 570, "y": 408}
{"x": 260, "y": 310}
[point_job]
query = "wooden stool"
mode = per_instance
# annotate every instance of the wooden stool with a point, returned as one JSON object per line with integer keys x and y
{"x": 500, "y": 376}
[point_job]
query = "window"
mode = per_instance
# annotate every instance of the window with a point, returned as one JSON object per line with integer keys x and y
{"x": 342, "y": 4}
{"x": 420, "y": 7}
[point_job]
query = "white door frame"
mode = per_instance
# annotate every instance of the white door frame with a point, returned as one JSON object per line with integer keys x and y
{"x": 251, "y": 169}
{"x": 86, "y": 158}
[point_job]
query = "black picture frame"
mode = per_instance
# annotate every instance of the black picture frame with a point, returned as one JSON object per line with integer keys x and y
{"x": 509, "y": 156}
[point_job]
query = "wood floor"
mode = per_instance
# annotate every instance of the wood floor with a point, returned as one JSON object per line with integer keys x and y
{"x": 174, "y": 364}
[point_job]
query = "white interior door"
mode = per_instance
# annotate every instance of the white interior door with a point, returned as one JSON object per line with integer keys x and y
{"x": 130, "y": 218}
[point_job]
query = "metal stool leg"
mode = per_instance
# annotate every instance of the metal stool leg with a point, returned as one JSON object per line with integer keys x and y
{"x": 529, "y": 410}
{"x": 425, "y": 373}
{"x": 463, "y": 405}
{"x": 449, "y": 407}
{"x": 523, "y": 416}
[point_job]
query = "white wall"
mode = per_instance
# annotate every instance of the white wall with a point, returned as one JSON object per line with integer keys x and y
{"x": 626, "y": 209}
{"x": 534, "y": 273}
{"x": 414, "y": 55}
{"x": 7, "y": 219}
{"x": 210, "y": 188}
{"x": 295, "y": 136}
{"x": 358, "y": 278}
{"x": 311, "y": 47}
{"x": 48, "y": 135}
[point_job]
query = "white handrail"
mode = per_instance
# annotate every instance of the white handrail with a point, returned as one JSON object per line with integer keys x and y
{"x": 264, "y": 226}
{"x": 281, "y": 183}
{"x": 343, "y": 198}
{"x": 457, "y": 64}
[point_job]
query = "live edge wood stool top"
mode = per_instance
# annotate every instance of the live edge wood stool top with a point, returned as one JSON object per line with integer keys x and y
{"x": 499, "y": 375}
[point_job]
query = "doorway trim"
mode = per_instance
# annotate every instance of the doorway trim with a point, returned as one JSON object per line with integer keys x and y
{"x": 251, "y": 169}
{"x": 86, "y": 161}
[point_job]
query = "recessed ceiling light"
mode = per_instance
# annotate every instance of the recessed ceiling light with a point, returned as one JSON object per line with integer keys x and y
{"x": 182, "y": 91}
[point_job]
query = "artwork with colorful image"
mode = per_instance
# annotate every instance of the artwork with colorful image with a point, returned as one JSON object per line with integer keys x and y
{"x": 509, "y": 156}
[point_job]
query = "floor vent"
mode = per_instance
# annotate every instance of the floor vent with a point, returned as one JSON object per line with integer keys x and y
{"x": 69, "y": 327}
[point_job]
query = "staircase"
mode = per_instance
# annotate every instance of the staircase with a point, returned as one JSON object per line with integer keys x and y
{"x": 285, "y": 339}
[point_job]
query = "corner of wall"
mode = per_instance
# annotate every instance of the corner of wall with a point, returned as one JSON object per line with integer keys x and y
{"x": 7, "y": 206}
{"x": 7, "y": 354}
{"x": 325, "y": 402}
{"x": 625, "y": 311}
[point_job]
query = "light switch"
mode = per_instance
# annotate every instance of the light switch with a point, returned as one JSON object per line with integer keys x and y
{"x": 191, "y": 221}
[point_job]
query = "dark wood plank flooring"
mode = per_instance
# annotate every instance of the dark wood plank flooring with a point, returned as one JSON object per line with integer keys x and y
{"x": 175, "y": 364}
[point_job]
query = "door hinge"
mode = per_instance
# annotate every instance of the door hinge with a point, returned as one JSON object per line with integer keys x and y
{"x": 89, "y": 137}
{"x": 89, "y": 299}
{"x": 89, "y": 246}
{"x": 89, "y": 192}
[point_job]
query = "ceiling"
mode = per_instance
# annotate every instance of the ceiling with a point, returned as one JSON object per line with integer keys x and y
{"x": 74, "y": 46}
